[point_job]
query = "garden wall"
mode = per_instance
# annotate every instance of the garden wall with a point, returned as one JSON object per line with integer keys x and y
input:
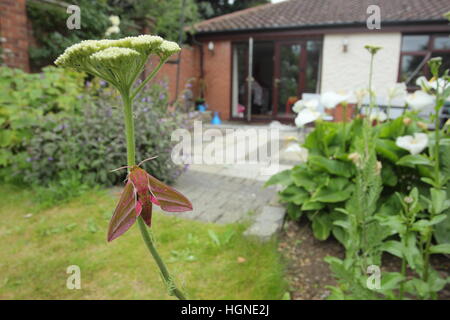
{"x": 347, "y": 71}
{"x": 14, "y": 30}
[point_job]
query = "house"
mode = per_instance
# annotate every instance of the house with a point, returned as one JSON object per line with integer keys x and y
{"x": 295, "y": 47}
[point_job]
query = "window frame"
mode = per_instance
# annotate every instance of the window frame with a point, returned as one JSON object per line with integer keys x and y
{"x": 430, "y": 50}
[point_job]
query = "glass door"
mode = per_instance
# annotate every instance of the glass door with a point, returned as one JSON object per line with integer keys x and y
{"x": 297, "y": 71}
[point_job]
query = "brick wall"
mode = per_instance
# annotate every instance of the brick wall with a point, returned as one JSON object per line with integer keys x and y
{"x": 189, "y": 71}
{"x": 13, "y": 28}
{"x": 217, "y": 75}
{"x": 217, "y": 68}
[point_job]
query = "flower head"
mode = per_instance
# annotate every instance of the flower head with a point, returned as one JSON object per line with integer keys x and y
{"x": 331, "y": 99}
{"x": 372, "y": 49}
{"x": 378, "y": 115}
{"x": 116, "y": 61}
{"x": 306, "y": 112}
{"x": 414, "y": 144}
{"x": 115, "y": 20}
{"x": 420, "y": 100}
{"x": 397, "y": 91}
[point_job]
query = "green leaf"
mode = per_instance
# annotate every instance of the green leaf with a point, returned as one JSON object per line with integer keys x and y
{"x": 440, "y": 248}
{"x": 336, "y": 167}
{"x": 283, "y": 178}
{"x": 413, "y": 160}
{"x": 393, "y": 247}
{"x": 439, "y": 200}
{"x": 388, "y": 149}
{"x": 322, "y": 225}
{"x": 328, "y": 196}
{"x": 311, "y": 205}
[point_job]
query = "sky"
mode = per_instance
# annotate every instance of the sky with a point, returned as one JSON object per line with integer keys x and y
{"x": 275, "y": 1}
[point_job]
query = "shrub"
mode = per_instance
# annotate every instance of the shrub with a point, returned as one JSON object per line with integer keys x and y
{"x": 25, "y": 98}
{"x": 93, "y": 144}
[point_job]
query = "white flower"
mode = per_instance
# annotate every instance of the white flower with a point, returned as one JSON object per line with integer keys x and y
{"x": 111, "y": 30}
{"x": 378, "y": 115}
{"x": 169, "y": 47}
{"x": 414, "y": 145}
{"x": 397, "y": 91}
{"x": 438, "y": 85}
{"x": 420, "y": 100}
{"x": 331, "y": 99}
{"x": 302, "y": 152}
{"x": 311, "y": 104}
{"x": 306, "y": 116}
{"x": 360, "y": 94}
{"x": 115, "y": 20}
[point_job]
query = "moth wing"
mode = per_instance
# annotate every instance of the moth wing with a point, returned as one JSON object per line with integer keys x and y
{"x": 169, "y": 199}
{"x": 125, "y": 213}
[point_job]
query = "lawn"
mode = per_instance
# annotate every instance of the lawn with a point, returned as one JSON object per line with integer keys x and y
{"x": 37, "y": 246}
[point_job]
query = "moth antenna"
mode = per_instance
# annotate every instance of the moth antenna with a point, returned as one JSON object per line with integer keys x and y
{"x": 143, "y": 161}
{"x": 124, "y": 167}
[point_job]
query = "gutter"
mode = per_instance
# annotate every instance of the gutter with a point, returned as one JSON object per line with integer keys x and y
{"x": 320, "y": 26}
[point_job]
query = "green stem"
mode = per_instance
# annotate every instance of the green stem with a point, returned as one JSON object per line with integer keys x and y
{"x": 131, "y": 161}
{"x": 150, "y": 77}
{"x": 173, "y": 290}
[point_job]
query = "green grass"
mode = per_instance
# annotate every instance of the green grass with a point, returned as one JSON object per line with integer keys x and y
{"x": 36, "y": 251}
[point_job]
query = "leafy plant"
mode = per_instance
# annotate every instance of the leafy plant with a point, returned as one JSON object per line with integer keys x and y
{"x": 26, "y": 98}
{"x": 92, "y": 140}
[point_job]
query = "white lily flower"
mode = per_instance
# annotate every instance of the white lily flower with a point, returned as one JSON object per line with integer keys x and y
{"x": 311, "y": 104}
{"x": 302, "y": 152}
{"x": 331, "y": 99}
{"x": 439, "y": 84}
{"x": 397, "y": 91}
{"x": 420, "y": 100}
{"x": 306, "y": 116}
{"x": 414, "y": 145}
{"x": 360, "y": 94}
{"x": 379, "y": 116}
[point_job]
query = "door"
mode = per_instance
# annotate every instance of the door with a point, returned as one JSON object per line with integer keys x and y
{"x": 297, "y": 71}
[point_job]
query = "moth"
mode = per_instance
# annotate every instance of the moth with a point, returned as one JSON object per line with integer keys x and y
{"x": 141, "y": 192}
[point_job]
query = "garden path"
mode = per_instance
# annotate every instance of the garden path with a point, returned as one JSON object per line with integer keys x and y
{"x": 228, "y": 193}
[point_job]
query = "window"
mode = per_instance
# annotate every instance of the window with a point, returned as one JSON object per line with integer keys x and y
{"x": 416, "y": 50}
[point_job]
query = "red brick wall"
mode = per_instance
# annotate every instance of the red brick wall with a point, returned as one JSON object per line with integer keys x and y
{"x": 13, "y": 27}
{"x": 217, "y": 68}
{"x": 189, "y": 71}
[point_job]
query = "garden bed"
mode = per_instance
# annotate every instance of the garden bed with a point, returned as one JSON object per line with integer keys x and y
{"x": 307, "y": 273}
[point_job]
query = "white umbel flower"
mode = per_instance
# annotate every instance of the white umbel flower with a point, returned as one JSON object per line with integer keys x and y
{"x": 414, "y": 144}
{"x": 331, "y": 99}
{"x": 169, "y": 47}
{"x": 420, "y": 100}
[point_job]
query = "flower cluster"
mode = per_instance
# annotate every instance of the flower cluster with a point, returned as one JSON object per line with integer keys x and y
{"x": 117, "y": 61}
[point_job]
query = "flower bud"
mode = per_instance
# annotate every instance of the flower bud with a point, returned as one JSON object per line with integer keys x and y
{"x": 407, "y": 121}
{"x": 422, "y": 125}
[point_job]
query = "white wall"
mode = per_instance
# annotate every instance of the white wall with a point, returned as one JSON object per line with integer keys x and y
{"x": 346, "y": 71}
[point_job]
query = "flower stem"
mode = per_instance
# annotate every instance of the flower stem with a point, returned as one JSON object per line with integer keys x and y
{"x": 131, "y": 161}
{"x": 150, "y": 77}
